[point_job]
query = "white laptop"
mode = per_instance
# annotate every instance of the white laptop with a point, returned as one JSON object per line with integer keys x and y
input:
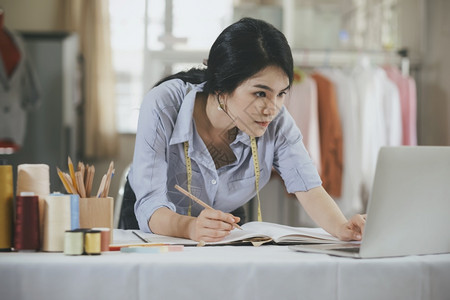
{"x": 409, "y": 209}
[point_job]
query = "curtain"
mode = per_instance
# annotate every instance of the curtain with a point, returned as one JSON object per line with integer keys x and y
{"x": 90, "y": 20}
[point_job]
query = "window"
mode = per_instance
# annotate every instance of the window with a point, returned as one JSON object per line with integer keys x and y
{"x": 149, "y": 42}
{"x": 154, "y": 38}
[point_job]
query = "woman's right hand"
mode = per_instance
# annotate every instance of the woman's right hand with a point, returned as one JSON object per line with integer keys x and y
{"x": 212, "y": 225}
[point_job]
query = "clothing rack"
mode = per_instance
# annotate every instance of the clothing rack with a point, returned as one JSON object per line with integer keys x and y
{"x": 312, "y": 58}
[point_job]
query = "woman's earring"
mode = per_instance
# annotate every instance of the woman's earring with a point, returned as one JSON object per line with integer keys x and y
{"x": 220, "y": 106}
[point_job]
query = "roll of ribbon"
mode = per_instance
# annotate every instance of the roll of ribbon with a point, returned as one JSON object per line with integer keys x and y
{"x": 57, "y": 219}
{"x": 92, "y": 242}
{"x": 27, "y": 223}
{"x": 33, "y": 178}
{"x": 73, "y": 242}
{"x": 6, "y": 207}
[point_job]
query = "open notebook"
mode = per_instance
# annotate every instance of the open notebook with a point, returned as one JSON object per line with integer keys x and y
{"x": 409, "y": 209}
{"x": 255, "y": 233}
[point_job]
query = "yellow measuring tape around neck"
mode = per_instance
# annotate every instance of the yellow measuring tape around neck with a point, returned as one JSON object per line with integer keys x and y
{"x": 255, "y": 164}
{"x": 189, "y": 173}
{"x": 257, "y": 173}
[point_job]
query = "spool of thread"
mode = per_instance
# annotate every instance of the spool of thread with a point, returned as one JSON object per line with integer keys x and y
{"x": 57, "y": 219}
{"x": 33, "y": 178}
{"x": 74, "y": 212}
{"x": 6, "y": 207}
{"x": 92, "y": 242}
{"x": 73, "y": 242}
{"x": 27, "y": 223}
{"x": 105, "y": 238}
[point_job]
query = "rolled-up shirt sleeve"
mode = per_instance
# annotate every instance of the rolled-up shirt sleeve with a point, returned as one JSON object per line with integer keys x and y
{"x": 148, "y": 177}
{"x": 291, "y": 159}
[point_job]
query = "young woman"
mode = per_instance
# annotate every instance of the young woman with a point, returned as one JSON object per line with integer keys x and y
{"x": 218, "y": 132}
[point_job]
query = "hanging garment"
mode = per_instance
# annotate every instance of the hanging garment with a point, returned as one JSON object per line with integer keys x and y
{"x": 408, "y": 99}
{"x": 350, "y": 201}
{"x": 18, "y": 92}
{"x": 369, "y": 88}
{"x": 301, "y": 103}
{"x": 330, "y": 136}
{"x": 392, "y": 113}
{"x": 377, "y": 101}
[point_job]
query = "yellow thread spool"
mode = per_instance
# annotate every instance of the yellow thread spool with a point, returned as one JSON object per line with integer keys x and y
{"x": 92, "y": 242}
{"x": 73, "y": 242}
{"x": 6, "y": 207}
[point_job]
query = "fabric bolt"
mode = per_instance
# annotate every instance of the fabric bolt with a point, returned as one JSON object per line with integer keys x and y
{"x": 350, "y": 201}
{"x": 57, "y": 219}
{"x": 6, "y": 206}
{"x": 18, "y": 93}
{"x": 330, "y": 136}
{"x": 166, "y": 122}
{"x": 408, "y": 99}
{"x": 301, "y": 103}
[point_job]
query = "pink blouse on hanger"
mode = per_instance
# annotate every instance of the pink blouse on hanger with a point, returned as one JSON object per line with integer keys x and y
{"x": 408, "y": 100}
{"x": 301, "y": 103}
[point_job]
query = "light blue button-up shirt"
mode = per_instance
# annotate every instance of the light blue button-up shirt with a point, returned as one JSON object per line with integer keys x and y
{"x": 166, "y": 122}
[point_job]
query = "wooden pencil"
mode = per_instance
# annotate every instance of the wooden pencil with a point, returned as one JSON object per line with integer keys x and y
{"x": 63, "y": 180}
{"x": 101, "y": 187}
{"x": 69, "y": 183}
{"x": 80, "y": 183}
{"x": 82, "y": 169}
{"x": 72, "y": 173}
{"x": 89, "y": 179}
{"x": 108, "y": 179}
{"x": 186, "y": 193}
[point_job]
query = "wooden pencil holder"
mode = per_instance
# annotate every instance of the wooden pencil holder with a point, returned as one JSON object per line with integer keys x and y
{"x": 97, "y": 212}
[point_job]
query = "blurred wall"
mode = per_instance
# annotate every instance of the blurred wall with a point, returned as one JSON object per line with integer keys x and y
{"x": 41, "y": 15}
{"x": 434, "y": 107}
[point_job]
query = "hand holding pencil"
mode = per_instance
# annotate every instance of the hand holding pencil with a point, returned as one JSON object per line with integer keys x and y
{"x": 186, "y": 193}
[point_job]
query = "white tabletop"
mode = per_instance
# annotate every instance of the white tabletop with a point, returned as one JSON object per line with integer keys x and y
{"x": 222, "y": 272}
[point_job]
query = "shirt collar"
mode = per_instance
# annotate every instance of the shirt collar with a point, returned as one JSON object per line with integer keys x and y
{"x": 242, "y": 137}
{"x": 183, "y": 128}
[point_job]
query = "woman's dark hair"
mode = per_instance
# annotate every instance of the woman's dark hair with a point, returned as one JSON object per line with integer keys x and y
{"x": 239, "y": 52}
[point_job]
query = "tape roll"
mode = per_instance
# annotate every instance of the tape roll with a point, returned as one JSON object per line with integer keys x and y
{"x": 6, "y": 207}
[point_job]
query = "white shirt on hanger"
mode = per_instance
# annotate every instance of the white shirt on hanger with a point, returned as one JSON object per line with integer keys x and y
{"x": 392, "y": 113}
{"x": 369, "y": 83}
{"x": 350, "y": 201}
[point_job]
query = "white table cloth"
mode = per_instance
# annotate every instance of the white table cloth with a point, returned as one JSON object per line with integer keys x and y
{"x": 222, "y": 272}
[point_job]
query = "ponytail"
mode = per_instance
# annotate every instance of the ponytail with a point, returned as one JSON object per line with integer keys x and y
{"x": 194, "y": 75}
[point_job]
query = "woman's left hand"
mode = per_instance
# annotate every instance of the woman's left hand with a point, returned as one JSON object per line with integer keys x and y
{"x": 353, "y": 229}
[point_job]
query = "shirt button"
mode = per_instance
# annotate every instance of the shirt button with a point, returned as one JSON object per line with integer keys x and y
{"x": 213, "y": 181}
